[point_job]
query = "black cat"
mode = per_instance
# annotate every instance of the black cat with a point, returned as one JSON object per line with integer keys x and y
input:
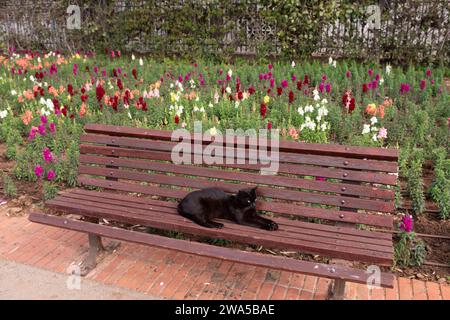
{"x": 202, "y": 206}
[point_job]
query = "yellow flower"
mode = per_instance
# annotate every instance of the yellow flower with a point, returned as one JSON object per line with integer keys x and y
{"x": 213, "y": 131}
{"x": 173, "y": 97}
{"x": 69, "y": 97}
{"x": 266, "y": 99}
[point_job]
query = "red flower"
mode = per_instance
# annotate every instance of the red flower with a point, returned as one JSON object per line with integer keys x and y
{"x": 279, "y": 91}
{"x": 230, "y": 97}
{"x": 70, "y": 89}
{"x": 134, "y": 73}
{"x": 291, "y": 96}
{"x": 263, "y": 110}
{"x": 84, "y": 98}
{"x": 251, "y": 90}
{"x": 177, "y": 119}
{"x": 119, "y": 84}
{"x": 99, "y": 92}
{"x": 365, "y": 87}
{"x": 269, "y": 125}
{"x": 240, "y": 95}
{"x": 306, "y": 80}
{"x": 114, "y": 73}
{"x": 299, "y": 85}
{"x": 238, "y": 87}
{"x": 83, "y": 90}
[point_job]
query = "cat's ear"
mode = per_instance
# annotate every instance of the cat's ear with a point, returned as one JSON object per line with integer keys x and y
{"x": 253, "y": 191}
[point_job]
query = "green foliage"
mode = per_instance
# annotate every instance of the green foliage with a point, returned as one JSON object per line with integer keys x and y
{"x": 9, "y": 188}
{"x": 409, "y": 251}
{"x": 415, "y": 181}
{"x": 440, "y": 189}
{"x": 49, "y": 190}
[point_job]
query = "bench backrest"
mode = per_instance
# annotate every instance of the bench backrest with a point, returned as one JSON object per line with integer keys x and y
{"x": 139, "y": 161}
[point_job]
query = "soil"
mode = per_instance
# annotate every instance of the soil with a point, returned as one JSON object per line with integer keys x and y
{"x": 29, "y": 196}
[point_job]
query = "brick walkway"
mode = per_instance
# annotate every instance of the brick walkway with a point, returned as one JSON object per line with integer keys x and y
{"x": 172, "y": 275}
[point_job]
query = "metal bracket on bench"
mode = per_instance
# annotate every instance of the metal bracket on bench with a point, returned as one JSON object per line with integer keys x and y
{"x": 336, "y": 290}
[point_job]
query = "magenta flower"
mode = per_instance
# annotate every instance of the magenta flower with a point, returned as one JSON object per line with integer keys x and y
{"x": 261, "y": 76}
{"x": 75, "y": 69}
{"x": 321, "y": 87}
{"x": 272, "y": 82}
{"x": 324, "y": 77}
{"x": 52, "y": 127}
{"x": 38, "y": 171}
{"x": 370, "y": 72}
{"x": 423, "y": 84}
{"x": 32, "y": 133}
{"x": 95, "y": 69}
{"x": 284, "y": 83}
{"x": 406, "y": 224}
{"x": 428, "y": 73}
{"x": 328, "y": 87}
{"x": 41, "y": 129}
{"x": 294, "y": 78}
{"x": 270, "y": 66}
{"x": 104, "y": 73}
{"x": 48, "y": 157}
{"x": 321, "y": 179}
{"x": 44, "y": 119}
{"x": 348, "y": 74}
{"x": 51, "y": 175}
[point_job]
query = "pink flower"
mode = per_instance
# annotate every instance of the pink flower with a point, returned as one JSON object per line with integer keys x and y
{"x": 321, "y": 87}
{"x": 38, "y": 171}
{"x": 52, "y": 127}
{"x": 407, "y": 223}
{"x": 328, "y": 87}
{"x": 382, "y": 133}
{"x": 32, "y": 133}
{"x": 284, "y": 83}
{"x": 270, "y": 66}
{"x": 348, "y": 74}
{"x": 44, "y": 119}
{"x": 370, "y": 72}
{"x": 41, "y": 129}
{"x": 428, "y": 73}
{"x": 47, "y": 155}
{"x": 75, "y": 69}
{"x": 50, "y": 175}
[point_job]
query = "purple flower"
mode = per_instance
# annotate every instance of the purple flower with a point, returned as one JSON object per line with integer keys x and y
{"x": 50, "y": 175}
{"x": 407, "y": 223}
{"x": 41, "y": 129}
{"x": 328, "y": 87}
{"x": 52, "y": 127}
{"x": 47, "y": 155}
{"x": 44, "y": 119}
{"x": 294, "y": 78}
{"x": 38, "y": 171}
{"x": 374, "y": 84}
{"x": 180, "y": 78}
{"x": 75, "y": 69}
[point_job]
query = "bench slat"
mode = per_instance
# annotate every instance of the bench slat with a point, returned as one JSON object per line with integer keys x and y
{"x": 284, "y": 194}
{"x": 252, "y": 236}
{"x": 299, "y": 169}
{"x": 281, "y": 181}
{"x": 281, "y": 263}
{"x": 288, "y": 146}
{"x": 170, "y": 204}
{"x": 289, "y": 225}
{"x": 328, "y": 161}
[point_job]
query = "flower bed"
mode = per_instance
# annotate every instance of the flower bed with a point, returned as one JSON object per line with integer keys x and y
{"x": 46, "y": 98}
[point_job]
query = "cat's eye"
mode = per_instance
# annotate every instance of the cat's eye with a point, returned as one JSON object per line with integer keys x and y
{"x": 249, "y": 201}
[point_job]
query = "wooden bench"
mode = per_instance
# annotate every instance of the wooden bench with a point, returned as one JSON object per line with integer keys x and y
{"x": 333, "y": 218}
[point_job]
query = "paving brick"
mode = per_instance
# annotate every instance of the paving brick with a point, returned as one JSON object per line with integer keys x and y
{"x": 292, "y": 294}
{"x": 433, "y": 291}
{"x": 377, "y": 294}
{"x": 362, "y": 292}
{"x": 179, "y": 277}
{"x": 322, "y": 289}
{"x": 445, "y": 290}
{"x": 297, "y": 281}
{"x": 279, "y": 292}
{"x": 392, "y": 293}
{"x": 266, "y": 290}
{"x": 419, "y": 290}
{"x": 405, "y": 288}
{"x": 252, "y": 290}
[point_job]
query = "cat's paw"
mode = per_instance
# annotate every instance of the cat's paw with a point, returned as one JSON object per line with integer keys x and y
{"x": 218, "y": 225}
{"x": 272, "y": 226}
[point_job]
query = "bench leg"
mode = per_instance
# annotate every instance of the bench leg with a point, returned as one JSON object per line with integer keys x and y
{"x": 95, "y": 247}
{"x": 337, "y": 290}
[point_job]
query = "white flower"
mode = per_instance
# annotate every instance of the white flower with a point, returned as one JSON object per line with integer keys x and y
{"x": 388, "y": 69}
{"x": 300, "y": 111}
{"x": 228, "y": 90}
{"x": 381, "y": 81}
{"x": 330, "y": 60}
{"x": 373, "y": 120}
{"x": 195, "y": 108}
{"x": 213, "y": 131}
{"x": 374, "y": 137}
{"x": 324, "y": 101}
{"x": 334, "y": 63}
{"x": 318, "y": 118}
{"x": 210, "y": 105}
{"x": 171, "y": 86}
{"x": 141, "y": 62}
{"x": 324, "y": 126}
{"x": 45, "y": 111}
{"x": 293, "y": 64}
{"x": 202, "y": 109}
{"x": 3, "y": 114}
{"x": 32, "y": 78}
{"x": 366, "y": 129}
{"x": 129, "y": 115}
{"x": 13, "y": 92}
{"x": 230, "y": 72}
{"x": 374, "y": 129}
{"x": 133, "y": 57}
{"x": 236, "y": 104}
{"x": 39, "y": 59}
{"x": 316, "y": 95}
{"x": 309, "y": 108}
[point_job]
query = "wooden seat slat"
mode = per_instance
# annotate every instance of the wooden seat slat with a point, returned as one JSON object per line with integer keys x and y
{"x": 287, "y": 168}
{"x": 284, "y": 194}
{"x": 281, "y": 263}
{"x": 288, "y": 146}
{"x": 252, "y": 236}
{"x": 170, "y": 204}
{"x": 329, "y": 161}
{"x": 291, "y": 225}
{"x": 290, "y": 182}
